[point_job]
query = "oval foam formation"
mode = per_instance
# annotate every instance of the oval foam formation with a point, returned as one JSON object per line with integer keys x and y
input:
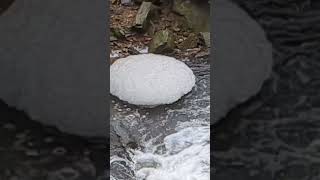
{"x": 150, "y": 79}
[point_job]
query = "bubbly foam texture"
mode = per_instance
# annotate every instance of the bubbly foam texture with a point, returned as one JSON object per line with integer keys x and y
{"x": 180, "y": 154}
{"x": 187, "y": 157}
{"x": 150, "y": 79}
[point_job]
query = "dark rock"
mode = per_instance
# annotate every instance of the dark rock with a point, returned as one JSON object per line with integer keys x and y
{"x": 145, "y": 12}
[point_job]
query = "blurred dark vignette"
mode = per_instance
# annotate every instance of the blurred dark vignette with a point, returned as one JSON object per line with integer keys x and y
{"x": 4, "y": 5}
{"x": 275, "y": 134}
{"x": 30, "y": 150}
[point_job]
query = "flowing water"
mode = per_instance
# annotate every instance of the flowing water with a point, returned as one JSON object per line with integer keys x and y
{"x": 169, "y": 142}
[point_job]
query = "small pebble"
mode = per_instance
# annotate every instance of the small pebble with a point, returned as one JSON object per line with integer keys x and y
{"x": 59, "y": 151}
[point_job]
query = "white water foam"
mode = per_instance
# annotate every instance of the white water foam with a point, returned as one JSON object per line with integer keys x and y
{"x": 182, "y": 155}
{"x": 187, "y": 157}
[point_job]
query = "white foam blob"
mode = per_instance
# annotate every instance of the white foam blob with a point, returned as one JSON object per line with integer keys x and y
{"x": 150, "y": 79}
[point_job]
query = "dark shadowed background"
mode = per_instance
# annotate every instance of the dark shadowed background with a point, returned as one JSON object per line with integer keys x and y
{"x": 53, "y": 69}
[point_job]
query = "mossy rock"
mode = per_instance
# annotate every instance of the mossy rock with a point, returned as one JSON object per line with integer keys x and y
{"x": 162, "y": 42}
{"x": 197, "y": 15}
{"x": 145, "y": 13}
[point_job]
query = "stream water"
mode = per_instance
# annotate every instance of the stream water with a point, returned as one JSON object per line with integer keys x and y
{"x": 169, "y": 142}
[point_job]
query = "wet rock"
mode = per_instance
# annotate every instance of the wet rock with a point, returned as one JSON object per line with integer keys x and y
{"x": 197, "y": 13}
{"x": 145, "y": 12}
{"x": 206, "y": 38}
{"x": 162, "y": 42}
{"x": 243, "y": 60}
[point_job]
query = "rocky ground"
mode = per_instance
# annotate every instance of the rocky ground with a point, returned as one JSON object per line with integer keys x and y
{"x": 276, "y": 134}
{"x": 157, "y": 28}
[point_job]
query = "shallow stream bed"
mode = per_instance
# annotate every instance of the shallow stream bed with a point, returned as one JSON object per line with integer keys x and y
{"x": 166, "y": 142}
